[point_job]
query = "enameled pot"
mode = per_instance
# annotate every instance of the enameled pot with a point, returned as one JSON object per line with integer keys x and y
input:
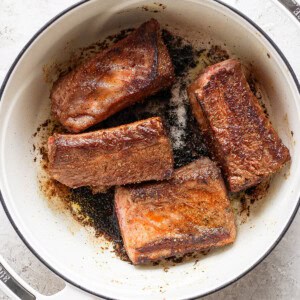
{"x": 25, "y": 104}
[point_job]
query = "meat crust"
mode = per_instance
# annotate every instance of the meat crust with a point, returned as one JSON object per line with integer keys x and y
{"x": 128, "y": 71}
{"x": 190, "y": 212}
{"x": 130, "y": 153}
{"x": 239, "y": 135}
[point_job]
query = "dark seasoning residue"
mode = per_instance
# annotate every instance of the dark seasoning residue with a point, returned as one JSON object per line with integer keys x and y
{"x": 155, "y": 8}
{"x": 97, "y": 210}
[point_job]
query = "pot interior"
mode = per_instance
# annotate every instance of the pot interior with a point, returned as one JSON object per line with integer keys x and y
{"x": 69, "y": 248}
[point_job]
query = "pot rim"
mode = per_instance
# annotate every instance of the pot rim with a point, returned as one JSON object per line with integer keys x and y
{"x": 3, "y": 86}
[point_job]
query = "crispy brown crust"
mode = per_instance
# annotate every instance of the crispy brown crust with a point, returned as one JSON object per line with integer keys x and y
{"x": 126, "y": 154}
{"x": 211, "y": 238}
{"x": 237, "y": 131}
{"x": 128, "y": 71}
{"x": 188, "y": 213}
{"x": 143, "y": 133}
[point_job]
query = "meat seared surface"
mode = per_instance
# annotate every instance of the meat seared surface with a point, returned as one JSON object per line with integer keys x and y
{"x": 128, "y": 71}
{"x": 130, "y": 153}
{"x": 237, "y": 131}
{"x": 188, "y": 213}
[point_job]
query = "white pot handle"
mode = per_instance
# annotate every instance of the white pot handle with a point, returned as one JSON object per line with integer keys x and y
{"x": 16, "y": 288}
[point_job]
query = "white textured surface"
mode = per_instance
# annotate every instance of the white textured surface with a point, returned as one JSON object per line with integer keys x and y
{"x": 278, "y": 276}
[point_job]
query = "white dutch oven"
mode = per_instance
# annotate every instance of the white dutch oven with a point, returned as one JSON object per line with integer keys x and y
{"x": 24, "y": 103}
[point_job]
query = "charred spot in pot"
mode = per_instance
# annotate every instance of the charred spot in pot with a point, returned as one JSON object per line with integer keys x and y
{"x": 184, "y": 56}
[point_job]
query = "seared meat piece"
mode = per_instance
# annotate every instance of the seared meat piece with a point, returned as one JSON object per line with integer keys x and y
{"x": 237, "y": 131}
{"x": 190, "y": 212}
{"x": 128, "y": 71}
{"x": 130, "y": 153}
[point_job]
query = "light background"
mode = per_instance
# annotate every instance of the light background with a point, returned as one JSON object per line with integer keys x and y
{"x": 278, "y": 276}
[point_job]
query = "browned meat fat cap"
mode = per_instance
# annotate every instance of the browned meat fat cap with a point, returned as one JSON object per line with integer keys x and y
{"x": 188, "y": 213}
{"x": 237, "y": 132}
{"x": 131, "y": 153}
